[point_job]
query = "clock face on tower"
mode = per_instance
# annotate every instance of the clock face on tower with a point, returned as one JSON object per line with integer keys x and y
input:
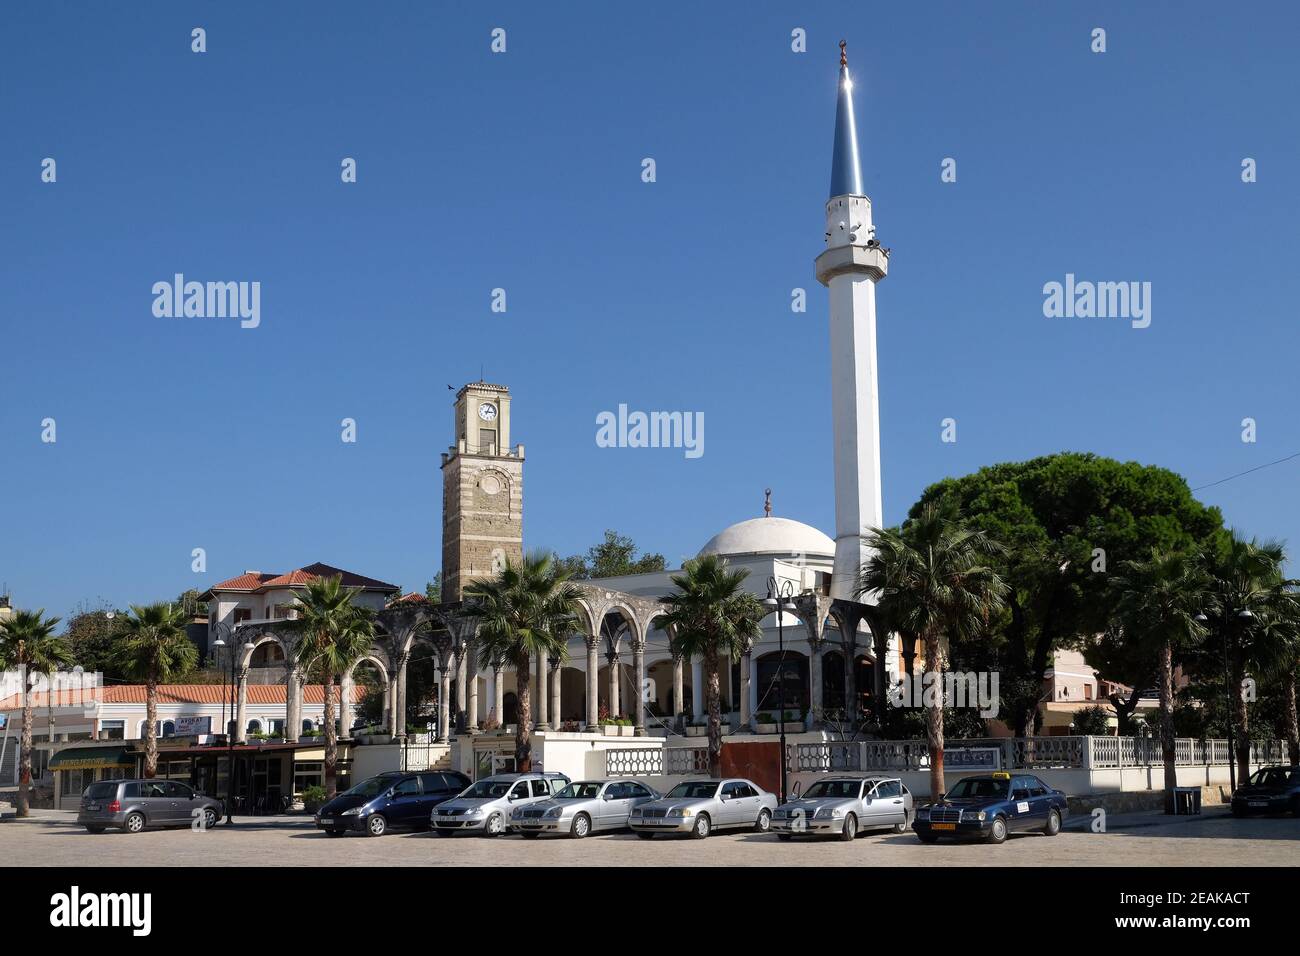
{"x": 487, "y": 411}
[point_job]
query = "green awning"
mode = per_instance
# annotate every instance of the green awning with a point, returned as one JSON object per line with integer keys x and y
{"x": 91, "y": 758}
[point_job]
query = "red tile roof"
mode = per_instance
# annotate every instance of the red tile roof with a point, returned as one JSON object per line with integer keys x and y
{"x": 256, "y": 580}
{"x": 175, "y": 694}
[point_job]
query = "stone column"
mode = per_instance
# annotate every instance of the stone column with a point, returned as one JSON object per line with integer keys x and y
{"x": 815, "y": 702}
{"x": 475, "y": 724}
{"x": 293, "y": 704}
{"x": 499, "y": 693}
{"x": 556, "y": 719}
{"x": 639, "y": 691}
{"x": 241, "y": 706}
{"x": 462, "y": 696}
{"x": 746, "y": 686}
{"x": 593, "y": 684}
{"x": 344, "y": 701}
{"x": 399, "y": 697}
{"x": 540, "y": 700}
{"x": 679, "y": 705}
{"x": 444, "y": 700}
{"x": 614, "y": 710}
{"x": 697, "y": 687}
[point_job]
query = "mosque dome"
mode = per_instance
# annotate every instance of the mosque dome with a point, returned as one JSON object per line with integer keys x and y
{"x": 769, "y": 535}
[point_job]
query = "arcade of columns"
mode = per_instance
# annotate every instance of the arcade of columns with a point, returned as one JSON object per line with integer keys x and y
{"x": 450, "y": 638}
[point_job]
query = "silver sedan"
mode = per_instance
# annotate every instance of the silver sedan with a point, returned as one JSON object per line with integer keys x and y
{"x": 583, "y": 807}
{"x": 844, "y": 806}
{"x": 699, "y": 807}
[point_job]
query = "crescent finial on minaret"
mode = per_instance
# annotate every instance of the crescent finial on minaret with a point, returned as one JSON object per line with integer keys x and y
{"x": 844, "y": 57}
{"x": 767, "y": 502}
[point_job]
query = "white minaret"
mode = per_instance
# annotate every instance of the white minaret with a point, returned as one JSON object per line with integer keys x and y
{"x": 850, "y": 268}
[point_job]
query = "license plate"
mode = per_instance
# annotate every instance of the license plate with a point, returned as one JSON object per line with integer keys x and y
{"x": 327, "y": 820}
{"x": 943, "y": 826}
{"x": 1259, "y": 803}
{"x": 92, "y": 806}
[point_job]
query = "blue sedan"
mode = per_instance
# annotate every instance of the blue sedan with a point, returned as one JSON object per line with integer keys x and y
{"x": 990, "y": 806}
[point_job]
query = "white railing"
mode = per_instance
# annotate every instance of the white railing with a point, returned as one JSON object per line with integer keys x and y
{"x": 656, "y": 761}
{"x": 1067, "y": 753}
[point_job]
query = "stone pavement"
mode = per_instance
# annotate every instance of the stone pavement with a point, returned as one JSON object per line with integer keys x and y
{"x": 51, "y": 838}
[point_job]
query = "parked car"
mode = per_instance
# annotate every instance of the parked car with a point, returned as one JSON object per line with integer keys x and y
{"x": 990, "y": 806}
{"x": 699, "y": 807}
{"x": 485, "y": 807}
{"x": 390, "y": 800}
{"x": 132, "y": 805}
{"x": 582, "y": 808}
{"x": 1269, "y": 790}
{"x": 845, "y": 806}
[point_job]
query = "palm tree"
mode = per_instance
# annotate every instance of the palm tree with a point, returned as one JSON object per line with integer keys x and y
{"x": 1276, "y": 652}
{"x": 930, "y": 581}
{"x": 155, "y": 650}
{"x": 711, "y": 616}
{"x": 1246, "y": 588}
{"x": 47, "y": 657}
{"x": 27, "y": 638}
{"x": 527, "y": 610}
{"x": 1159, "y": 601}
{"x": 336, "y": 634}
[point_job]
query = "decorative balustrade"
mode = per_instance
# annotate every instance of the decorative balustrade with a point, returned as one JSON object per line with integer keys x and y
{"x": 829, "y": 757}
{"x": 634, "y": 762}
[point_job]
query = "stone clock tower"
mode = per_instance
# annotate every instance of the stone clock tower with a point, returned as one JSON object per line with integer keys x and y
{"x": 482, "y": 490}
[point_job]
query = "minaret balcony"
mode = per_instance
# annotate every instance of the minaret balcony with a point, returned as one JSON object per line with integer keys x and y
{"x": 873, "y": 261}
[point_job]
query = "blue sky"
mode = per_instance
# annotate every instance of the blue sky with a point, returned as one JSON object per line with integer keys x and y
{"x": 522, "y": 171}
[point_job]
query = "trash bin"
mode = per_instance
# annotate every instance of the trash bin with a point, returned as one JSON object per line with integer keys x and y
{"x": 1187, "y": 800}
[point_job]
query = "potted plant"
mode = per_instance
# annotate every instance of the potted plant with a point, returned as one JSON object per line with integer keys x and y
{"x": 698, "y": 727}
{"x": 764, "y": 723}
{"x": 313, "y": 798}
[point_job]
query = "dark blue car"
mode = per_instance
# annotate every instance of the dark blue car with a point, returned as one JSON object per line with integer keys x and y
{"x": 394, "y": 799}
{"x": 990, "y": 806}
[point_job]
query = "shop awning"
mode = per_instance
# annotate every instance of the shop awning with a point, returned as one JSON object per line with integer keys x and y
{"x": 91, "y": 758}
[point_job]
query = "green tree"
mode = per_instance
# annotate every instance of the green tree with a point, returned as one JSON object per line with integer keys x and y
{"x": 612, "y": 557}
{"x": 1066, "y": 520}
{"x": 932, "y": 580}
{"x": 433, "y": 590}
{"x": 1247, "y": 590}
{"x": 711, "y": 616}
{"x": 527, "y": 610}
{"x": 1159, "y": 601}
{"x": 155, "y": 649}
{"x": 28, "y": 643}
{"x": 336, "y": 633}
{"x": 92, "y": 637}
{"x": 1092, "y": 721}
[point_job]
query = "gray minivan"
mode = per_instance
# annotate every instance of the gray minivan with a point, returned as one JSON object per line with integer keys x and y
{"x": 132, "y": 805}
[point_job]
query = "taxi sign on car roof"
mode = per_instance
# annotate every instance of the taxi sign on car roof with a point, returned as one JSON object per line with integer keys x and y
{"x": 1001, "y": 775}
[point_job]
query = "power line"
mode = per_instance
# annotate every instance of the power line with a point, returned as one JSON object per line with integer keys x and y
{"x": 1247, "y": 472}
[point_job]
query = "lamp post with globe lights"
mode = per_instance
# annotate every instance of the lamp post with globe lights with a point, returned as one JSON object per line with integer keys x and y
{"x": 778, "y": 600}
{"x": 218, "y": 644}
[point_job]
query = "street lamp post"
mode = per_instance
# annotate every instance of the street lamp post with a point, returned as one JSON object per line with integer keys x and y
{"x": 229, "y": 726}
{"x": 1245, "y": 616}
{"x": 778, "y": 600}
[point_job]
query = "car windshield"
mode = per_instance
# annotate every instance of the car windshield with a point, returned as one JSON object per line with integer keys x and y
{"x": 695, "y": 791}
{"x": 579, "y": 791}
{"x": 979, "y": 788}
{"x": 1270, "y": 777}
{"x": 488, "y": 789}
{"x": 372, "y": 787}
{"x": 835, "y": 789}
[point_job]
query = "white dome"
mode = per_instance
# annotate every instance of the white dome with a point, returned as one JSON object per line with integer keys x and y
{"x": 769, "y": 536}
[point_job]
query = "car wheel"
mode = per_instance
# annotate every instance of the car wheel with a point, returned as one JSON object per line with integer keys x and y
{"x": 998, "y": 832}
{"x": 764, "y": 821}
{"x": 496, "y": 825}
{"x": 376, "y": 825}
{"x": 702, "y": 827}
{"x": 581, "y": 826}
{"x": 905, "y": 825}
{"x": 1053, "y": 823}
{"x": 645, "y": 836}
{"x": 850, "y": 828}
{"x": 209, "y": 818}
{"x": 134, "y": 823}
{"x": 95, "y": 829}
